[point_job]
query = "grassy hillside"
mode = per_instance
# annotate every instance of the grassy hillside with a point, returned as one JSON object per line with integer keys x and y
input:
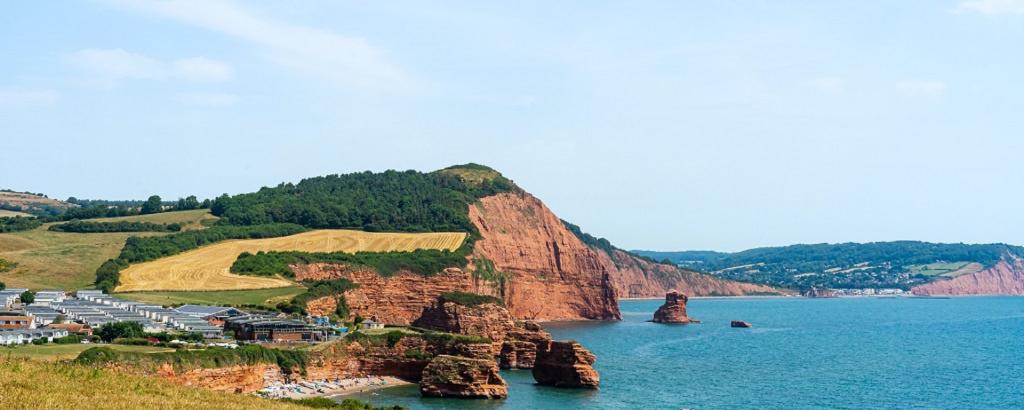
{"x": 69, "y": 260}
{"x": 38, "y": 385}
{"x": 55, "y": 352}
{"x": 6, "y": 213}
{"x": 260, "y": 297}
{"x": 207, "y": 268}
{"x": 901, "y": 264}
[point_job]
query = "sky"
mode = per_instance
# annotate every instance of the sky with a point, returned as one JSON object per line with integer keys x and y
{"x": 670, "y": 125}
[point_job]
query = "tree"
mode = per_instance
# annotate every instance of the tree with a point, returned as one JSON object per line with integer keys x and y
{"x": 3, "y": 286}
{"x": 188, "y": 203}
{"x": 28, "y": 296}
{"x": 59, "y": 319}
{"x": 118, "y": 330}
{"x": 152, "y": 205}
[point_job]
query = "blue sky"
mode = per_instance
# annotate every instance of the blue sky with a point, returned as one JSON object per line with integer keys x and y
{"x": 660, "y": 125}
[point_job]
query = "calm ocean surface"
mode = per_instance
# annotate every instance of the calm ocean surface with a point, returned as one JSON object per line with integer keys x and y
{"x": 802, "y": 353}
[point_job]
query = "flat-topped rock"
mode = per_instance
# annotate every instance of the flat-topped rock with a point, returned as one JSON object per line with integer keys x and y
{"x": 566, "y": 364}
{"x": 674, "y": 309}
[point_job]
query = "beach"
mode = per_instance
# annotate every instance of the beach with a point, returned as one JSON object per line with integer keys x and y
{"x": 325, "y": 388}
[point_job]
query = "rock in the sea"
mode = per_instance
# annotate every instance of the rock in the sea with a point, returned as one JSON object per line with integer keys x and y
{"x": 674, "y": 309}
{"x": 461, "y": 377}
{"x": 740, "y": 323}
{"x": 566, "y": 364}
{"x": 519, "y": 349}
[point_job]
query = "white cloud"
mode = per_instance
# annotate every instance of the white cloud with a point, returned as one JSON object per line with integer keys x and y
{"x": 926, "y": 88}
{"x": 829, "y": 84}
{"x": 26, "y": 98}
{"x": 208, "y": 99}
{"x": 991, "y": 7}
{"x": 344, "y": 60}
{"x": 202, "y": 69}
{"x": 113, "y": 64}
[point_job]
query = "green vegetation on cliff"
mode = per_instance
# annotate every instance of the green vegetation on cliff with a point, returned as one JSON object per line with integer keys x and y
{"x": 469, "y": 299}
{"x": 901, "y": 264}
{"x": 183, "y": 360}
{"x": 422, "y": 261}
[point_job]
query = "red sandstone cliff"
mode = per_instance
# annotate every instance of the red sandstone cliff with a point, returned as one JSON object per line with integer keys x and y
{"x": 1005, "y": 278}
{"x": 522, "y": 236}
{"x": 531, "y": 260}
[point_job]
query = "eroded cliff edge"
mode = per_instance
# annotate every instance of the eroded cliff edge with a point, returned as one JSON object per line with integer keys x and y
{"x": 1004, "y": 278}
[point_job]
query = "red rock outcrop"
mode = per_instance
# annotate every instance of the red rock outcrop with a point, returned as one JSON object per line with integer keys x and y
{"x": 485, "y": 320}
{"x": 234, "y": 379}
{"x": 674, "y": 309}
{"x": 566, "y": 364}
{"x": 1005, "y": 278}
{"x": 520, "y": 347}
{"x": 397, "y": 299}
{"x": 453, "y": 376}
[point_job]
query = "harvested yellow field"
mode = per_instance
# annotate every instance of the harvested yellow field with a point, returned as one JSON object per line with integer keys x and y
{"x": 208, "y": 268}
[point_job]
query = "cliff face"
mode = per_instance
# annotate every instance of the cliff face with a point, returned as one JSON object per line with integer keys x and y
{"x": 557, "y": 276}
{"x": 1005, "y": 278}
{"x": 553, "y": 274}
{"x": 397, "y": 299}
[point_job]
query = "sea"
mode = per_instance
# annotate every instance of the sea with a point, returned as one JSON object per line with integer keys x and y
{"x": 841, "y": 353}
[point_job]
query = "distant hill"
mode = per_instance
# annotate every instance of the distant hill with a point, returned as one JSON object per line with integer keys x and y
{"x": 31, "y": 203}
{"x": 901, "y": 264}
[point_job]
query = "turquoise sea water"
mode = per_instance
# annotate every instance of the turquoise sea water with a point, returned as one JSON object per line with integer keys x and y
{"x": 801, "y": 353}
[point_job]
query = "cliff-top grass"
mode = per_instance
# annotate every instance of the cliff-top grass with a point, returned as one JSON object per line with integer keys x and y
{"x": 55, "y": 352}
{"x": 64, "y": 260}
{"x": 26, "y": 384}
{"x": 261, "y": 297}
{"x": 208, "y": 268}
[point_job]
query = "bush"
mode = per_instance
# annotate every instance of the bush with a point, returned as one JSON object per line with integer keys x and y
{"x": 40, "y": 341}
{"x": 124, "y": 226}
{"x": 182, "y": 359}
{"x": 27, "y": 297}
{"x": 18, "y": 223}
{"x": 347, "y": 404}
{"x": 119, "y": 330}
{"x": 469, "y": 299}
{"x": 69, "y": 339}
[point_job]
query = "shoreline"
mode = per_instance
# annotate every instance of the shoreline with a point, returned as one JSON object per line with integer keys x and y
{"x": 328, "y": 389}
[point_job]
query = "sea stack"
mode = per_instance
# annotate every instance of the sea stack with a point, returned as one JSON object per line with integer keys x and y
{"x": 462, "y": 377}
{"x": 566, "y": 364}
{"x": 674, "y": 309}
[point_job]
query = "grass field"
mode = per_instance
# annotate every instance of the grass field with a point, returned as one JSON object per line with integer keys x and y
{"x": 4, "y": 212}
{"x": 194, "y": 219}
{"x": 266, "y": 297}
{"x": 65, "y": 260}
{"x": 207, "y": 268}
{"x": 26, "y": 384}
{"x": 947, "y": 269}
{"x": 54, "y": 352}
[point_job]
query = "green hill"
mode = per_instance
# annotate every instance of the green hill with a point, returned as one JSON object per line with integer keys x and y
{"x": 901, "y": 264}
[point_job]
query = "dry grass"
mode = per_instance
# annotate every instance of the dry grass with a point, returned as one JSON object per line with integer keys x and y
{"x": 67, "y": 260}
{"x": 207, "y": 268}
{"x": 6, "y": 213}
{"x": 265, "y": 297}
{"x": 54, "y": 352}
{"x": 190, "y": 220}
{"x": 37, "y": 385}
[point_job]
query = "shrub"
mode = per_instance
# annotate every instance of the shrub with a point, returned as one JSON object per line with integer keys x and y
{"x": 119, "y": 330}
{"x": 469, "y": 299}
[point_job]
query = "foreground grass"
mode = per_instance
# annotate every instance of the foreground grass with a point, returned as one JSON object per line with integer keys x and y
{"x": 207, "y": 268}
{"x": 55, "y": 352}
{"x": 265, "y": 297}
{"x": 37, "y": 385}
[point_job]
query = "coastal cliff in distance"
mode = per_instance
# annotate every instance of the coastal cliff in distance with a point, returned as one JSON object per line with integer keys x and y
{"x": 1005, "y": 278}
